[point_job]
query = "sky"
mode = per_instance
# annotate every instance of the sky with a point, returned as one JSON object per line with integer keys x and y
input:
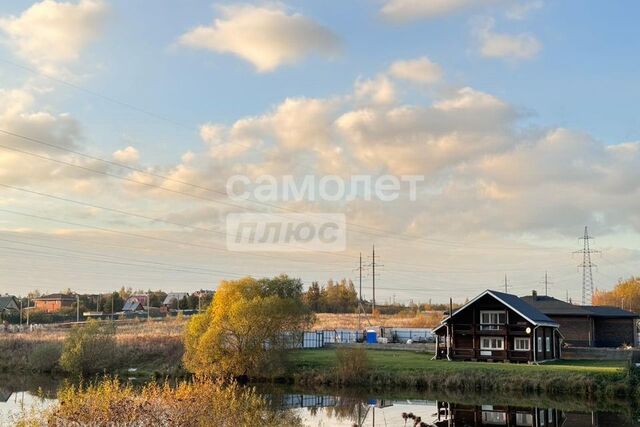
{"x": 122, "y": 122}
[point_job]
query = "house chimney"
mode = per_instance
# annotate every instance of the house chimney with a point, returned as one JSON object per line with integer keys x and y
{"x": 534, "y": 294}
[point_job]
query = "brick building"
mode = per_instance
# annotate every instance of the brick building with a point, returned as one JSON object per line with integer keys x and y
{"x": 54, "y": 302}
{"x": 589, "y": 326}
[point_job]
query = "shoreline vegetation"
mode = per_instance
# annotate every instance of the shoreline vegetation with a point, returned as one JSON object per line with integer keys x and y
{"x": 156, "y": 356}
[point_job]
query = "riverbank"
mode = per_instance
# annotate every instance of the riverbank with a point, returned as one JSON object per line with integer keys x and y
{"x": 389, "y": 369}
{"x": 145, "y": 352}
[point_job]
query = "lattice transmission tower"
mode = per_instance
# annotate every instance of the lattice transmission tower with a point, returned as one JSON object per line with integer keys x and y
{"x": 587, "y": 268}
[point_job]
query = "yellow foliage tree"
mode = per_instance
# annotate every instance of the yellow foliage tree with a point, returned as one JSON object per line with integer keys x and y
{"x": 246, "y": 328}
{"x": 625, "y": 294}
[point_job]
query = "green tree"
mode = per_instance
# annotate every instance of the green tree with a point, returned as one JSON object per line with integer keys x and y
{"x": 313, "y": 297}
{"x": 89, "y": 348}
{"x": 247, "y": 328}
{"x": 106, "y": 302}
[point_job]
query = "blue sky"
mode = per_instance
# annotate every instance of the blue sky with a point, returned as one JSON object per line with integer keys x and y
{"x": 551, "y": 89}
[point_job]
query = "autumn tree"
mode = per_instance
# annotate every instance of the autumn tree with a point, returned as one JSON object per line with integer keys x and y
{"x": 625, "y": 294}
{"x": 246, "y": 328}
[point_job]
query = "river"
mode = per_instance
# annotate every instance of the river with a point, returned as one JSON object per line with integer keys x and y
{"x": 348, "y": 407}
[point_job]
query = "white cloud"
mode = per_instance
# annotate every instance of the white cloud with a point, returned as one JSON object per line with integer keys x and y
{"x": 410, "y": 10}
{"x": 508, "y": 46}
{"x": 127, "y": 155}
{"x": 52, "y": 34}
{"x": 267, "y": 37}
{"x": 420, "y": 70}
{"x": 378, "y": 91}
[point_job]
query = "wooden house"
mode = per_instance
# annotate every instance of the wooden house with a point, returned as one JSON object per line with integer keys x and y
{"x": 496, "y": 326}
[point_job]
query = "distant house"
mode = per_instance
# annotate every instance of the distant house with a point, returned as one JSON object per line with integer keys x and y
{"x": 8, "y": 305}
{"x": 173, "y": 300}
{"x": 135, "y": 303}
{"x": 589, "y": 326}
{"x": 496, "y": 326}
{"x": 54, "y": 302}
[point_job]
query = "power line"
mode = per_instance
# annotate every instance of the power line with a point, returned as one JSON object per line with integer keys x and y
{"x": 401, "y": 236}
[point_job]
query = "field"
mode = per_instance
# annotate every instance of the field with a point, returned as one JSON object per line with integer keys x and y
{"x": 350, "y": 321}
{"x": 152, "y": 347}
{"x": 409, "y": 362}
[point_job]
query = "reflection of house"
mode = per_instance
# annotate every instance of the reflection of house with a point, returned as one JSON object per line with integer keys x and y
{"x": 457, "y": 415}
{"x": 174, "y": 300}
{"x": 8, "y": 305}
{"x": 135, "y": 303}
{"x": 54, "y": 302}
{"x": 588, "y": 326}
{"x": 498, "y": 326}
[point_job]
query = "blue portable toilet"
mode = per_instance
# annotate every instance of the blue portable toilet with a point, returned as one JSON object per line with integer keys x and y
{"x": 371, "y": 337}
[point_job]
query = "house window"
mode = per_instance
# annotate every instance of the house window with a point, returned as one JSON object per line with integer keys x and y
{"x": 496, "y": 418}
{"x": 539, "y": 344}
{"x": 491, "y": 343}
{"x": 521, "y": 344}
{"x": 491, "y": 320}
{"x": 548, "y": 343}
{"x": 524, "y": 419}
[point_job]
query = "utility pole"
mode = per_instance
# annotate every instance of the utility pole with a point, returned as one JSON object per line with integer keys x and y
{"x": 567, "y": 297}
{"x": 21, "y": 312}
{"x": 112, "y": 302}
{"x": 506, "y": 284}
{"x": 360, "y": 274}
{"x": 546, "y": 284}
{"x": 77, "y": 308}
{"x": 587, "y": 268}
{"x": 149, "y": 305}
{"x": 199, "y": 302}
{"x": 373, "y": 264}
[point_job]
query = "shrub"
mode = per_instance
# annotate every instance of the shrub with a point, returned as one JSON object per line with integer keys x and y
{"x": 45, "y": 357}
{"x": 210, "y": 402}
{"x": 89, "y": 348}
{"x": 352, "y": 364}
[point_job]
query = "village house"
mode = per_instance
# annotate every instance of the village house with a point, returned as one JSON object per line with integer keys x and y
{"x": 9, "y": 306}
{"x": 173, "y": 301}
{"x": 589, "y": 326}
{"x": 54, "y": 302}
{"x": 135, "y": 303}
{"x": 496, "y": 326}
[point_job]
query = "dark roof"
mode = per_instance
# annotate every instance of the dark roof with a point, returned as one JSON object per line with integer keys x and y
{"x": 604, "y": 311}
{"x": 514, "y": 302}
{"x": 522, "y": 307}
{"x": 550, "y": 305}
{"x": 8, "y": 302}
{"x": 57, "y": 297}
{"x": 553, "y": 306}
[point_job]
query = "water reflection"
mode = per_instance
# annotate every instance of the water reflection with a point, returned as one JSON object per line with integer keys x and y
{"x": 348, "y": 408}
{"x": 338, "y": 411}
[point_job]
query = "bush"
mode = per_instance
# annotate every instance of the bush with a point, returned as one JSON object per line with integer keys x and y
{"x": 109, "y": 402}
{"x": 352, "y": 364}
{"x": 89, "y": 348}
{"x": 45, "y": 357}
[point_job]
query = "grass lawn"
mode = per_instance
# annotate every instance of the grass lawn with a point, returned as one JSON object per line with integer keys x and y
{"x": 407, "y": 362}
